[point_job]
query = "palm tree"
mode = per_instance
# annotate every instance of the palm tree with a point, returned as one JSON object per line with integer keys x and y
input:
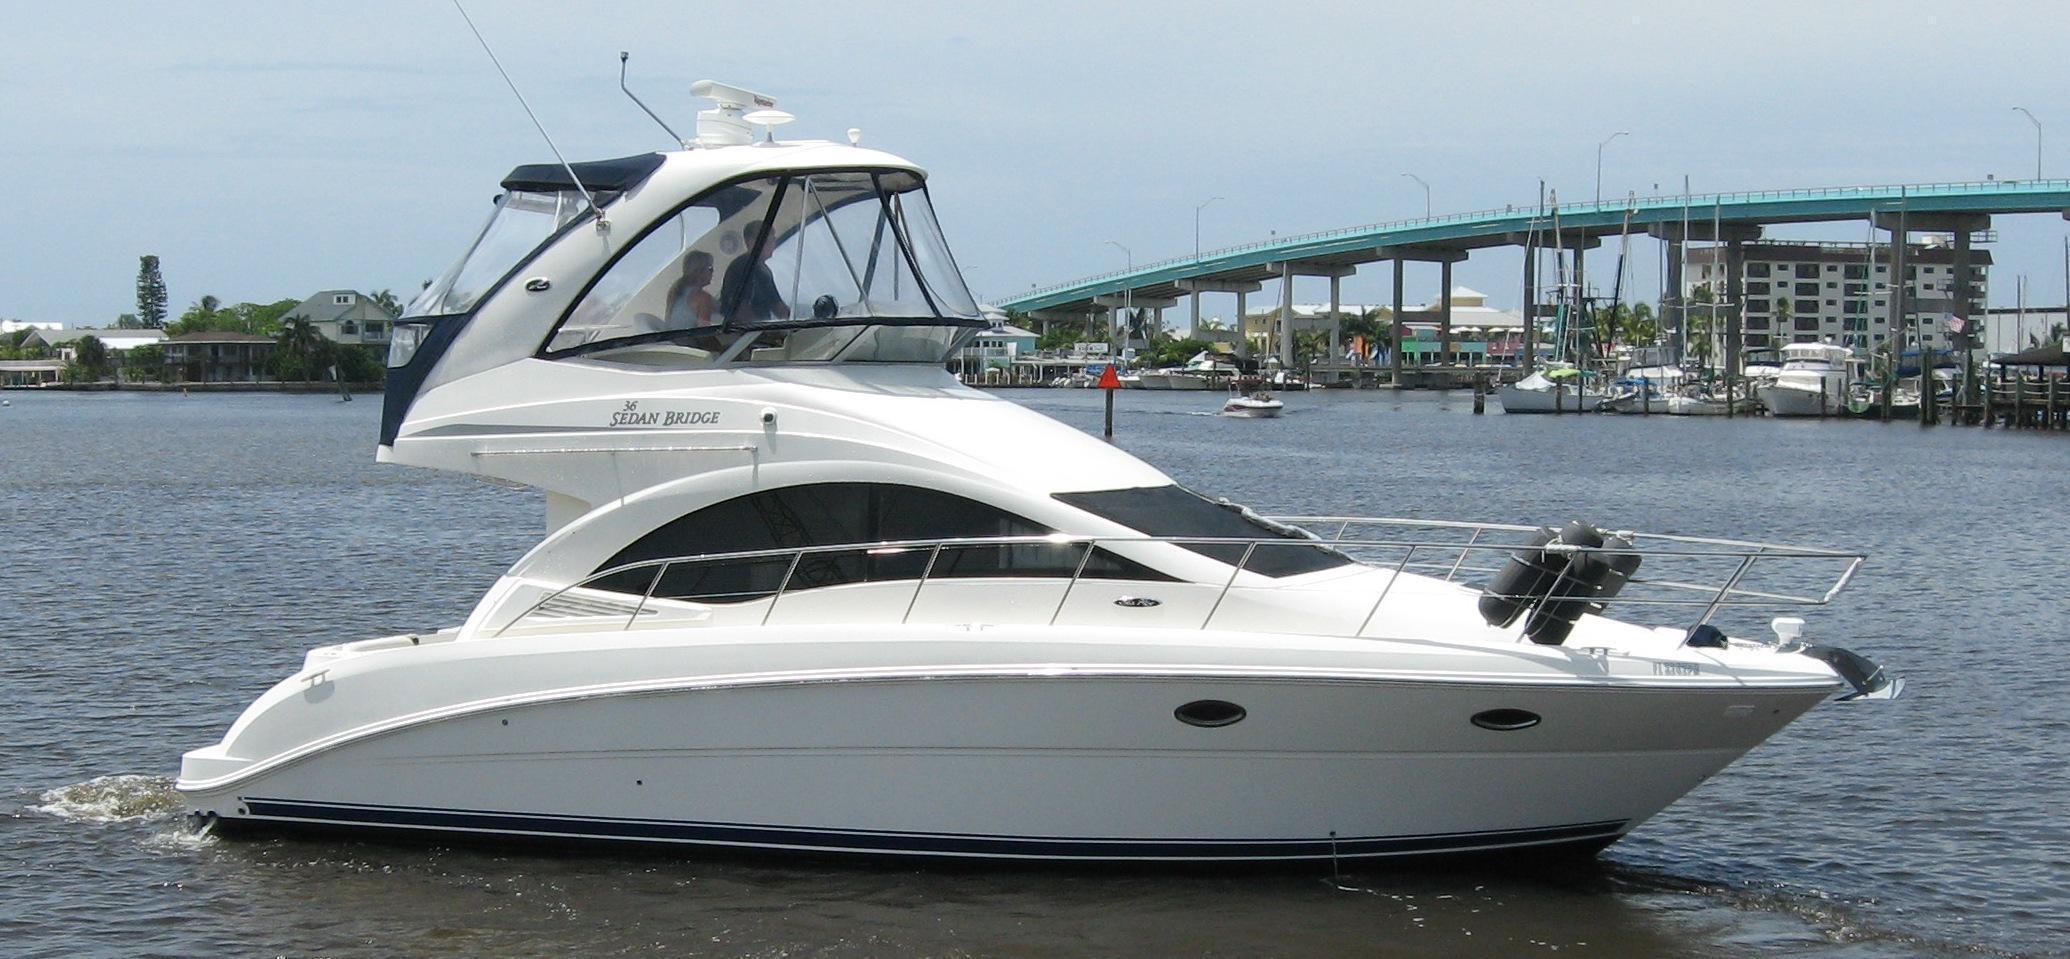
{"x": 199, "y": 318}
{"x": 90, "y": 359}
{"x": 385, "y": 299}
{"x": 1636, "y": 326}
{"x": 300, "y": 352}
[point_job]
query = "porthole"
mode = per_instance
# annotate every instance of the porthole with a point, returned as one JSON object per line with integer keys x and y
{"x": 1210, "y": 713}
{"x": 1505, "y": 720}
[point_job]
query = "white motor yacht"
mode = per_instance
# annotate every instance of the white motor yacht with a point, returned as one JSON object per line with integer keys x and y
{"x": 1205, "y": 371}
{"x": 1814, "y": 381}
{"x": 802, "y": 591}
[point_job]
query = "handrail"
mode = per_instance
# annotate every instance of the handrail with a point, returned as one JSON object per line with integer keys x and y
{"x": 1532, "y": 213}
{"x": 1712, "y": 598}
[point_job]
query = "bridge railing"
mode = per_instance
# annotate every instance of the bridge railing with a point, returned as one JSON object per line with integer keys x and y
{"x": 1694, "y": 202}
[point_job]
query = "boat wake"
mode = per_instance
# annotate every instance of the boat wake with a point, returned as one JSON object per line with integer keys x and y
{"x": 126, "y": 797}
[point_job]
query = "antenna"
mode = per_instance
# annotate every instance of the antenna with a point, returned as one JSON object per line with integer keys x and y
{"x": 602, "y": 224}
{"x": 622, "y": 57}
{"x": 768, "y": 120}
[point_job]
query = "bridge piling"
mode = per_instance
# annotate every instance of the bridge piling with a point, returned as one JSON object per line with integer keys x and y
{"x": 1394, "y": 357}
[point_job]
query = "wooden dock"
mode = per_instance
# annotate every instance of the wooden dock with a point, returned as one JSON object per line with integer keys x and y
{"x": 2016, "y": 401}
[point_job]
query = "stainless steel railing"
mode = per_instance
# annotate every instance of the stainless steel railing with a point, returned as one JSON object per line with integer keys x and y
{"x": 1441, "y": 550}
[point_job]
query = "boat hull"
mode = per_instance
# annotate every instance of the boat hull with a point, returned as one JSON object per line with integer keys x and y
{"x": 1789, "y": 401}
{"x": 1052, "y": 764}
{"x": 1254, "y": 410}
{"x": 1516, "y": 400}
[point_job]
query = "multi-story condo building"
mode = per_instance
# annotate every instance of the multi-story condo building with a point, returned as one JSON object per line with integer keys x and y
{"x": 1808, "y": 292}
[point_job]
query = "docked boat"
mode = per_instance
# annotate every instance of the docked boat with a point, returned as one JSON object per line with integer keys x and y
{"x": 1643, "y": 390}
{"x": 1697, "y": 403}
{"x": 1207, "y": 370}
{"x": 1255, "y": 405}
{"x": 1558, "y": 390}
{"x": 1815, "y": 380}
{"x": 802, "y": 591}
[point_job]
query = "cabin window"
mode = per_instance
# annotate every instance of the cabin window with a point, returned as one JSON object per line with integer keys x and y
{"x": 834, "y": 514}
{"x": 813, "y": 266}
{"x": 667, "y": 281}
{"x": 523, "y": 220}
{"x": 1178, "y": 511}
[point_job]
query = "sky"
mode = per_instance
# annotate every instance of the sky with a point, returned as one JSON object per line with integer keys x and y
{"x": 266, "y": 150}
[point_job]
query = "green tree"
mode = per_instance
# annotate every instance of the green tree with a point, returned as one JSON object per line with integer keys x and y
{"x": 360, "y": 364}
{"x": 90, "y": 360}
{"x": 1701, "y": 322}
{"x": 385, "y": 299}
{"x": 263, "y": 319}
{"x": 1372, "y": 324}
{"x": 128, "y": 321}
{"x": 150, "y": 292}
{"x": 1631, "y": 324}
{"x": 146, "y": 361}
{"x": 1174, "y": 352}
{"x": 1309, "y": 346}
{"x": 300, "y": 352}
{"x": 199, "y": 318}
{"x": 1063, "y": 333}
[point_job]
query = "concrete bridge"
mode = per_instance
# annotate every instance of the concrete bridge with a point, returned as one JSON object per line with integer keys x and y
{"x": 1728, "y": 218}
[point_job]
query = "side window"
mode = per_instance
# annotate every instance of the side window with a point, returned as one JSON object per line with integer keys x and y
{"x": 1179, "y": 512}
{"x": 667, "y": 285}
{"x": 832, "y": 514}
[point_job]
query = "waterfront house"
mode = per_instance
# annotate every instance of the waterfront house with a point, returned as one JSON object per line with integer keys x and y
{"x": 65, "y": 343}
{"x": 995, "y": 349}
{"x": 347, "y": 316}
{"x": 218, "y": 357}
{"x": 31, "y": 372}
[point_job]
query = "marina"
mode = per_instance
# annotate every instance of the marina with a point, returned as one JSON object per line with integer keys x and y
{"x": 799, "y": 523}
{"x": 1933, "y": 833}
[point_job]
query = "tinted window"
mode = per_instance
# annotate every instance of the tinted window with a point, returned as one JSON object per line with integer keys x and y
{"x": 832, "y": 514}
{"x": 1177, "y": 511}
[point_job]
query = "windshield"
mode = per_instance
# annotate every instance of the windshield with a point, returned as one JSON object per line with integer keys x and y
{"x": 522, "y": 221}
{"x": 842, "y": 265}
{"x": 1178, "y": 511}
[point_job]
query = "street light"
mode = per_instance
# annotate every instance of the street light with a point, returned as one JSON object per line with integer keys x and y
{"x": 1426, "y": 193}
{"x": 1196, "y": 224}
{"x": 1599, "y": 160}
{"x": 2037, "y": 139}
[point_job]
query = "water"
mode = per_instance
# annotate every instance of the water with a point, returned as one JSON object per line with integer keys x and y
{"x": 166, "y": 558}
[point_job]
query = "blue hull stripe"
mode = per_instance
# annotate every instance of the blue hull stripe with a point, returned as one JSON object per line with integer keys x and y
{"x": 731, "y": 834}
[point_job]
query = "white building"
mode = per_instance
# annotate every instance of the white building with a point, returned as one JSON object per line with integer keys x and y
{"x": 346, "y": 316}
{"x": 1810, "y": 292}
{"x": 65, "y": 343}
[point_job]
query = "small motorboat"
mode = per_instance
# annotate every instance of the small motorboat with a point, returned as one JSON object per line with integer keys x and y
{"x": 1258, "y": 405}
